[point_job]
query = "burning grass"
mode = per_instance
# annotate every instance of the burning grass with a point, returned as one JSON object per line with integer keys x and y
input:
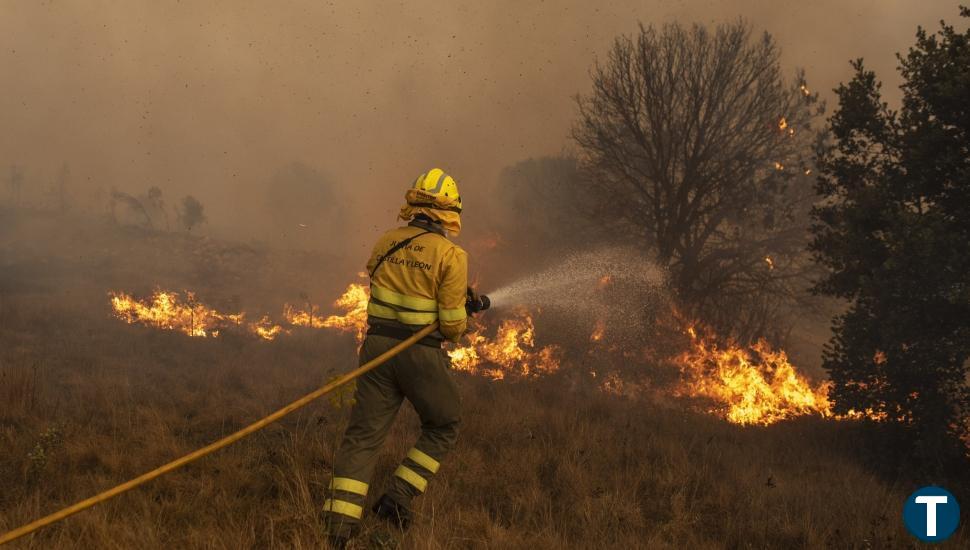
{"x": 353, "y": 304}
{"x": 749, "y": 385}
{"x": 744, "y": 385}
{"x": 512, "y": 352}
{"x": 753, "y": 384}
{"x": 540, "y": 464}
{"x": 167, "y": 310}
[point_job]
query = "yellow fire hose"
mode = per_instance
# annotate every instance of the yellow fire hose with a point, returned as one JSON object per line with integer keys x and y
{"x": 224, "y": 442}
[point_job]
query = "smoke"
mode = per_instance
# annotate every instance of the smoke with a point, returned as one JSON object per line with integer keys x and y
{"x": 214, "y": 100}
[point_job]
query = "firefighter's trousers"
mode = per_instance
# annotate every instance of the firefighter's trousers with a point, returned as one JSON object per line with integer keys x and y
{"x": 420, "y": 374}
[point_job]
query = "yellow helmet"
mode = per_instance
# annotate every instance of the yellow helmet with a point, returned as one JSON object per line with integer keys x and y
{"x": 442, "y": 187}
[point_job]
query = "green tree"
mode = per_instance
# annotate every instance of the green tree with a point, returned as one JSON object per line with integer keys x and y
{"x": 893, "y": 232}
{"x": 696, "y": 143}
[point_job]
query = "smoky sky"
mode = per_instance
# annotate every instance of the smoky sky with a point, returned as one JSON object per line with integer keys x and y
{"x": 213, "y": 98}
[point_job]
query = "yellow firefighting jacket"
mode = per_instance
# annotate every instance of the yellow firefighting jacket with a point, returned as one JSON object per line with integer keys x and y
{"x": 423, "y": 282}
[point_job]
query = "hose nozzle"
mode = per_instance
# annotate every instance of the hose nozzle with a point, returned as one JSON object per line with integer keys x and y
{"x": 475, "y": 303}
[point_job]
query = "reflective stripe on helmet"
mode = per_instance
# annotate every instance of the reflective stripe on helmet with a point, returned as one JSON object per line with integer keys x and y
{"x": 343, "y": 507}
{"x": 440, "y": 182}
{"x": 423, "y": 460}
{"x": 396, "y": 299}
{"x": 419, "y": 181}
{"x": 412, "y": 477}
{"x": 349, "y": 485}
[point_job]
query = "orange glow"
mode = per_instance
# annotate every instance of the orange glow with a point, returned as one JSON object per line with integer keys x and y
{"x": 490, "y": 242}
{"x": 598, "y": 331}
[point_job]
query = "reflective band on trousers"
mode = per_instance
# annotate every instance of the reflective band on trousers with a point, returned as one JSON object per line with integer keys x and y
{"x": 424, "y": 460}
{"x": 398, "y": 299}
{"x": 409, "y": 475}
{"x": 349, "y": 485}
{"x": 343, "y": 507}
{"x": 406, "y": 317}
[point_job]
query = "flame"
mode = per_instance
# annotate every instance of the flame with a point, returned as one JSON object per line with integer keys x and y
{"x": 301, "y": 317}
{"x": 770, "y": 262}
{"x": 512, "y": 352}
{"x": 266, "y": 329}
{"x": 782, "y": 124}
{"x": 353, "y": 303}
{"x": 779, "y": 166}
{"x": 166, "y": 310}
{"x": 598, "y": 331}
{"x": 805, "y": 90}
{"x": 604, "y": 281}
{"x": 757, "y": 385}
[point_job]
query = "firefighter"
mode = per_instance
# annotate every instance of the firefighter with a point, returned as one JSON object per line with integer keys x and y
{"x": 417, "y": 276}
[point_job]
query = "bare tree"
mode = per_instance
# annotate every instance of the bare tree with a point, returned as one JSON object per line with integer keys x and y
{"x": 700, "y": 150}
{"x": 156, "y": 203}
{"x": 132, "y": 203}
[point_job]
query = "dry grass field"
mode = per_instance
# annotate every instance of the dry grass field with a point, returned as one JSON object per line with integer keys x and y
{"x": 87, "y": 402}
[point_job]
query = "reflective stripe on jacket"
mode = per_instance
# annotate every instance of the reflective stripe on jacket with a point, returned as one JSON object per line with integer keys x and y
{"x": 421, "y": 283}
